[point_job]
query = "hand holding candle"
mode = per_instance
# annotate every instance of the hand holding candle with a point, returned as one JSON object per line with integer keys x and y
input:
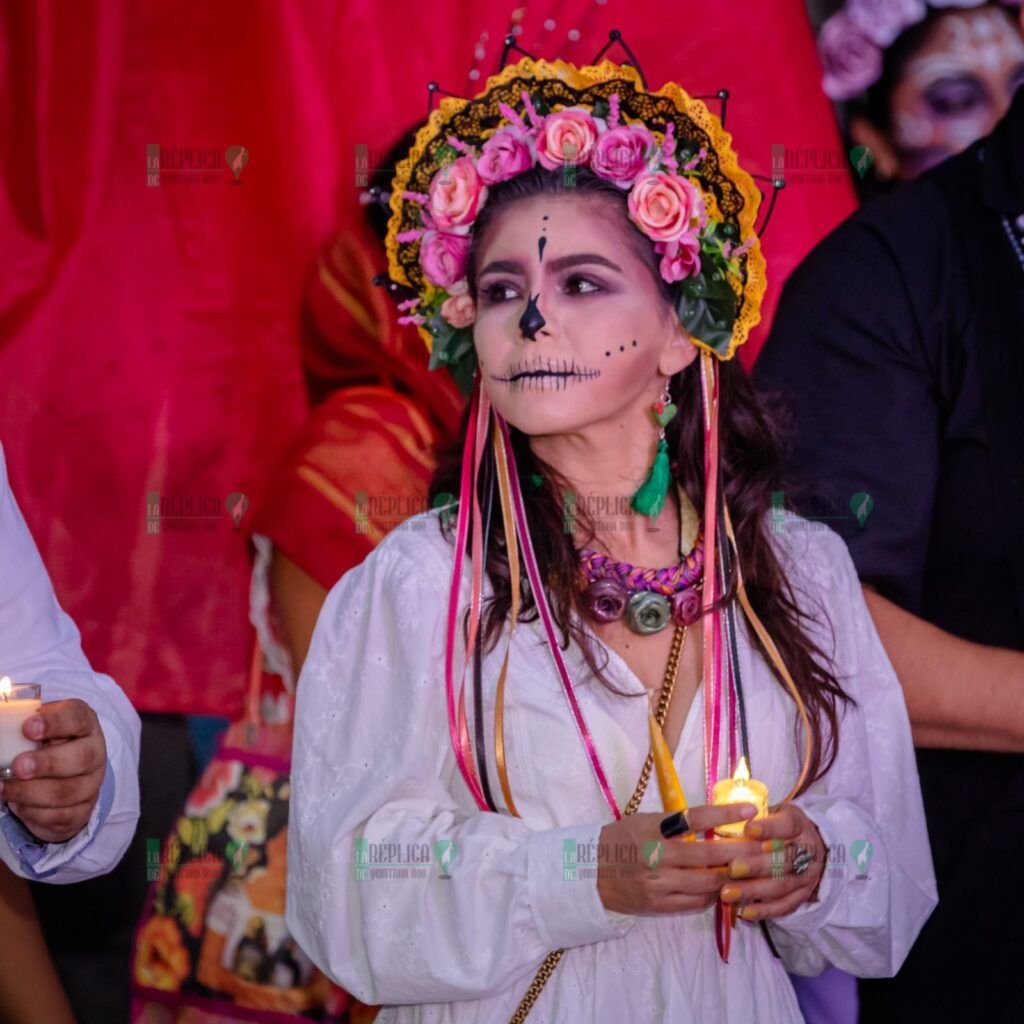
{"x": 55, "y": 787}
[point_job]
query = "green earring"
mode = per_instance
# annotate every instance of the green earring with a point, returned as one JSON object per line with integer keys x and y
{"x": 649, "y": 498}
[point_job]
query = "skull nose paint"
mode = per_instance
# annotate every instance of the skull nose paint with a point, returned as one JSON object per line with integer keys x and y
{"x": 531, "y": 321}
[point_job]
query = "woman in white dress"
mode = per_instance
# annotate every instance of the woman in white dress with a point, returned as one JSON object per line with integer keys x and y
{"x": 472, "y": 835}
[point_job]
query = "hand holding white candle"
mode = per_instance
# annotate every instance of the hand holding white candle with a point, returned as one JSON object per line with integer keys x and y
{"x": 740, "y": 789}
{"x": 18, "y": 702}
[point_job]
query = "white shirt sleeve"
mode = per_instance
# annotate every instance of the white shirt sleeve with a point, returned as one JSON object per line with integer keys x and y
{"x": 372, "y": 816}
{"x": 40, "y": 644}
{"x": 878, "y": 887}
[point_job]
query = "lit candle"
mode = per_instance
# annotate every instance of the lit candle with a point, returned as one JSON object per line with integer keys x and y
{"x": 740, "y": 789}
{"x": 17, "y": 703}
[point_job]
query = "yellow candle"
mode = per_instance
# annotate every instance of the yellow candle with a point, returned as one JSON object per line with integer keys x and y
{"x": 17, "y": 703}
{"x": 740, "y": 789}
{"x": 668, "y": 781}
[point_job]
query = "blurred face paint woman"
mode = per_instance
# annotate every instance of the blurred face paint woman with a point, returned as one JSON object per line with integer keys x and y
{"x": 930, "y": 81}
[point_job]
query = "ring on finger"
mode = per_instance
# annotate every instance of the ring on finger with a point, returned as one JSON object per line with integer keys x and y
{"x": 802, "y": 861}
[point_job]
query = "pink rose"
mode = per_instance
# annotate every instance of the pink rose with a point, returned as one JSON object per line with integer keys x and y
{"x": 566, "y": 138}
{"x": 621, "y": 154}
{"x": 456, "y": 193}
{"x": 459, "y": 310}
{"x": 851, "y": 61}
{"x": 443, "y": 257}
{"x": 505, "y": 154}
{"x": 666, "y": 207}
{"x": 679, "y": 259}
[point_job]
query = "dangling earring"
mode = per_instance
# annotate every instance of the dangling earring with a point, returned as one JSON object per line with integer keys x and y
{"x": 650, "y": 496}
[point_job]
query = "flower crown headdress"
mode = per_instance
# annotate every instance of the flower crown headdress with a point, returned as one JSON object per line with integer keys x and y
{"x": 688, "y": 194}
{"x": 853, "y": 40}
{"x": 666, "y": 150}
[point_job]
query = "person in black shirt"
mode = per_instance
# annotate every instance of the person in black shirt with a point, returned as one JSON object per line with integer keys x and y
{"x": 899, "y": 344}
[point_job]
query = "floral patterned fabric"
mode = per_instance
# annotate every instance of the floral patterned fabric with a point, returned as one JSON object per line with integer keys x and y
{"x": 215, "y": 945}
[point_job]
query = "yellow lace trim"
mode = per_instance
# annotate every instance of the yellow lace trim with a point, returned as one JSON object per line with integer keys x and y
{"x": 730, "y": 192}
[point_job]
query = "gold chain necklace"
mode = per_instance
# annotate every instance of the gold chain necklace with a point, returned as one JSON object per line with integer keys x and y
{"x": 668, "y": 685}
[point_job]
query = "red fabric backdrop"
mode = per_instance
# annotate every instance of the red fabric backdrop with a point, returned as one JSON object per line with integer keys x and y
{"x": 149, "y": 334}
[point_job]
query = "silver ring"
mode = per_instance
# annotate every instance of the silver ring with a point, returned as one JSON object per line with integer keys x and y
{"x": 802, "y": 861}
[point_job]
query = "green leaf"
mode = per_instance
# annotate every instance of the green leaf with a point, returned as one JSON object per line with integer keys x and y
{"x": 601, "y": 108}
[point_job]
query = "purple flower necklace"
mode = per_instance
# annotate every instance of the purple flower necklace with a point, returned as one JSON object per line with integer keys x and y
{"x": 648, "y": 599}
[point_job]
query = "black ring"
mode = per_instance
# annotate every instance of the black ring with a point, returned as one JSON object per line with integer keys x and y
{"x": 674, "y": 825}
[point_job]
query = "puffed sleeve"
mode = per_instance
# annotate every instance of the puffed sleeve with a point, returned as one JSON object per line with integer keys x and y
{"x": 878, "y": 886}
{"x": 373, "y": 815}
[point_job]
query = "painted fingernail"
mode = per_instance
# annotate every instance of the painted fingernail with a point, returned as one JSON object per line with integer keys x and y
{"x": 24, "y": 767}
{"x": 773, "y": 845}
{"x": 34, "y": 727}
{"x": 731, "y": 893}
{"x": 748, "y": 913}
{"x": 754, "y": 829}
{"x": 739, "y": 869}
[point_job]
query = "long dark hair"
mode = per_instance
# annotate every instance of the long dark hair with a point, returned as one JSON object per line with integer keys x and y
{"x": 750, "y": 469}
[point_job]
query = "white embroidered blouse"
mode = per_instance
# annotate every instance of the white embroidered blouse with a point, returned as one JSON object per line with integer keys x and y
{"x": 380, "y": 814}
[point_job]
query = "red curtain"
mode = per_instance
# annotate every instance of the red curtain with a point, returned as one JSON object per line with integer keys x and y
{"x": 150, "y": 315}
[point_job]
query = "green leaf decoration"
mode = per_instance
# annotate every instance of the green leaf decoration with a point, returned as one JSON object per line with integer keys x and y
{"x": 601, "y": 109}
{"x": 540, "y": 105}
{"x": 707, "y": 306}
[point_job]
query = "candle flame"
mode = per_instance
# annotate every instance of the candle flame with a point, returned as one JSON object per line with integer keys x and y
{"x": 742, "y": 771}
{"x": 5, "y": 687}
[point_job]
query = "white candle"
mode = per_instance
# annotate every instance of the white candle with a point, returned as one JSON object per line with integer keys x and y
{"x": 17, "y": 703}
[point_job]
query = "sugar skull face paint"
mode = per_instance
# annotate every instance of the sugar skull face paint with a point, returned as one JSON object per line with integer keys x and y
{"x": 571, "y": 333}
{"x": 956, "y": 87}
